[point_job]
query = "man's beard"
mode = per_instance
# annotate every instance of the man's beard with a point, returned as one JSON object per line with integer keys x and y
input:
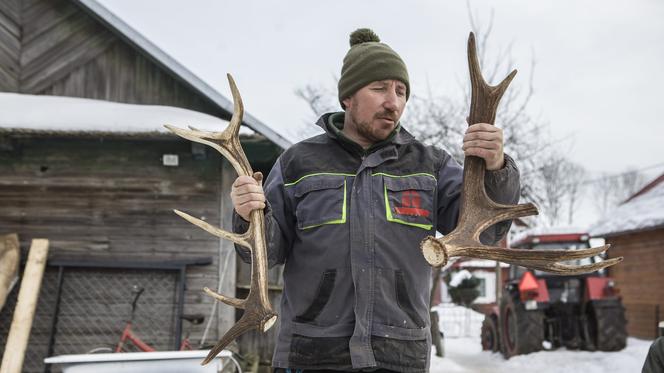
{"x": 364, "y": 128}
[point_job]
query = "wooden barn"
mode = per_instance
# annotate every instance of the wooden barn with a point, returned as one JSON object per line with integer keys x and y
{"x": 86, "y": 163}
{"x": 635, "y": 231}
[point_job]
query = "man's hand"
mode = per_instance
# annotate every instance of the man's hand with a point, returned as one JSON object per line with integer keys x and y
{"x": 247, "y": 195}
{"x": 485, "y": 141}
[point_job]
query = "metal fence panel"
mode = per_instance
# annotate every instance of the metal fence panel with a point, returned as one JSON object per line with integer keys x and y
{"x": 94, "y": 307}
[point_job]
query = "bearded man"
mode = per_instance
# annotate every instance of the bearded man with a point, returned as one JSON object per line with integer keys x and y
{"x": 345, "y": 213}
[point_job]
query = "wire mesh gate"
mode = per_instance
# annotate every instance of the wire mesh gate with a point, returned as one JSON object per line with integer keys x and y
{"x": 84, "y": 305}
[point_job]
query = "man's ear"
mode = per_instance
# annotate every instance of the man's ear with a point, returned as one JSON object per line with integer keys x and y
{"x": 346, "y": 102}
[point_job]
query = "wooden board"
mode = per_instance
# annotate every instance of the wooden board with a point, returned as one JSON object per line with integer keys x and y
{"x": 17, "y": 341}
{"x": 9, "y": 259}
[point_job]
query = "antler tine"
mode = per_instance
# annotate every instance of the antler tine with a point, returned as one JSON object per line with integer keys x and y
{"x": 484, "y": 96}
{"x": 565, "y": 269}
{"x": 478, "y": 212}
{"x": 498, "y": 212}
{"x": 240, "y": 239}
{"x": 238, "y": 108}
{"x": 505, "y": 255}
{"x": 258, "y": 313}
{"x": 235, "y": 302}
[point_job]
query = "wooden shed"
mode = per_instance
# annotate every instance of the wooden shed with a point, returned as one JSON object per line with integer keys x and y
{"x": 635, "y": 231}
{"x": 85, "y": 162}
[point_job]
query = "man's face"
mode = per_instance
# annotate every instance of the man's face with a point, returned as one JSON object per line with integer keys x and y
{"x": 375, "y": 110}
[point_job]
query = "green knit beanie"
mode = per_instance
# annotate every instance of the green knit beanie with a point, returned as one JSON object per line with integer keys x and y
{"x": 369, "y": 60}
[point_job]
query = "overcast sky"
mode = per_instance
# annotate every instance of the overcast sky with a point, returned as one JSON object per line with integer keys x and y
{"x": 598, "y": 77}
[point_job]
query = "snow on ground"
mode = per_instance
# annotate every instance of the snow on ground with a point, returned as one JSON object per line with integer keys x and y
{"x": 466, "y": 355}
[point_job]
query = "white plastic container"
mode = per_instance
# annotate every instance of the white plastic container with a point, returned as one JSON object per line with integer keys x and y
{"x": 142, "y": 362}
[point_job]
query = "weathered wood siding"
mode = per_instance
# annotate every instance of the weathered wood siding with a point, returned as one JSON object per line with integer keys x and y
{"x": 114, "y": 199}
{"x": 639, "y": 278}
{"x": 54, "y": 47}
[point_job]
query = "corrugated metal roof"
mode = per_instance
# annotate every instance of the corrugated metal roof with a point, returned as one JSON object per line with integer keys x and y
{"x": 167, "y": 62}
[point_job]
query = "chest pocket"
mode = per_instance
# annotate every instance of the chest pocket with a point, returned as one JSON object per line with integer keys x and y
{"x": 409, "y": 200}
{"x": 320, "y": 201}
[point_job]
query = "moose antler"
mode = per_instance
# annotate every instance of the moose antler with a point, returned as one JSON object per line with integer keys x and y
{"x": 479, "y": 212}
{"x": 258, "y": 313}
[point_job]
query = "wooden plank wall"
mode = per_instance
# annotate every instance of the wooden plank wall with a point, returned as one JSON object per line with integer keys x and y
{"x": 54, "y": 47}
{"x": 639, "y": 278}
{"x": 114, "y": 199}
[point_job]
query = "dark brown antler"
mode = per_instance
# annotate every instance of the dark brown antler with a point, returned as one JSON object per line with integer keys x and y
{"x": 258, "y": 313}
{"x": 479, "y": 212}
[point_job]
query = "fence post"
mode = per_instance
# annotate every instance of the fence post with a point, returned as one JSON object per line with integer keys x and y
{"x": 28, "y": 295}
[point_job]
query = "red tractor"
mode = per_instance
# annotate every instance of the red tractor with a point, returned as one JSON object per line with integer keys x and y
{"x": 538, "y": 310}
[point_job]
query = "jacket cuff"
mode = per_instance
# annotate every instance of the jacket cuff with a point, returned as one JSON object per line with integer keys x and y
{"x": 240, "y": 225}
{"x": 500, "y": 176}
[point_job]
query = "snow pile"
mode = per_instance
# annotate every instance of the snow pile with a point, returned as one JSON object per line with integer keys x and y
{"x": 465, "y": 355}
{"x": 68, "y": 114}
{"x": 643, "y": 212}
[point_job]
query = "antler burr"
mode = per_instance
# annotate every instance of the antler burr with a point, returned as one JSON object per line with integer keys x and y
{"x": 258, "y": 313}
{"x": 478, "y": 212}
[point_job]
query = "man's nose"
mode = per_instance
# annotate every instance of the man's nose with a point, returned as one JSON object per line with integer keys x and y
{"x": 390, "y": 102}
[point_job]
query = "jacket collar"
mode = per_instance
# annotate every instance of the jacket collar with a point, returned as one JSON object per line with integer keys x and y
{"x": 400, "y": 138}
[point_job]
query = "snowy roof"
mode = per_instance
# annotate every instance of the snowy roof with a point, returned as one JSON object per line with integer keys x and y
{"x": 170, "y": 64}
{"x": 541, "y": 231}
{"x": 644, "y": 211}
{"x": 32, "y": 114}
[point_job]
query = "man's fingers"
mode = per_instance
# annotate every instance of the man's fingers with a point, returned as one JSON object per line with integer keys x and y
{"x": 243, "y": 180}
{"x": 480, "y": 144}
{"x": 258, "y": 176}
{"x": 250, "y": 206}
{"x": 246, "y": 188}
{"x": 480, "y": 152}
{"x": 260, "y": 197}
{"x": 482, "y": 127}
{"x": 483, "y": 135}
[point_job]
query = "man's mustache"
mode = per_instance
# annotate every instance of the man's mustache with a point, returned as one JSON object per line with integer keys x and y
{"x": 387, "y": 115}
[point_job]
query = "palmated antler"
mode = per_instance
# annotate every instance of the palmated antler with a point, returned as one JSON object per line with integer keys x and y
{"x": 258, "y": 313}
{"x": 479, "y": 212}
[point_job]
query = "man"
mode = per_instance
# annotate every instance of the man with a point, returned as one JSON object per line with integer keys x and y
{"x": 654, "y": 362}
{"x": 346, "y": 213}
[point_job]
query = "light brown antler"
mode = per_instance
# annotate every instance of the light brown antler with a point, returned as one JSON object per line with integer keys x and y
{"x": 258, "y": 313}
{"x": 479, "y": 212}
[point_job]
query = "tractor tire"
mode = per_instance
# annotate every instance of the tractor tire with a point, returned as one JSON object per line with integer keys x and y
{"x": 607, "y": 325}
{"x": 522, "y": 331}
{"x": 490, "y": 335}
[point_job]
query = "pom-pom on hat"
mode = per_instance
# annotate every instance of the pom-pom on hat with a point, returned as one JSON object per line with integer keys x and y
{"x": 369, "y": 60}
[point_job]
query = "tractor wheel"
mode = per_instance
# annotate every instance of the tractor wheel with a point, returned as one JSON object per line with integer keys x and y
{"x": 490, "y": 335}
{"x": 607, "y": 326}
{"x": 522, "y": 331}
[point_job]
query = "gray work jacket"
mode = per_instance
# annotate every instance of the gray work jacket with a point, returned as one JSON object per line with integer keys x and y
{"x": 348, "y": 228}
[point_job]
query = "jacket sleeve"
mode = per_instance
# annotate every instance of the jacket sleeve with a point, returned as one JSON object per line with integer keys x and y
{"x": 279, "y": 226}
{"x": 502, "y": 186}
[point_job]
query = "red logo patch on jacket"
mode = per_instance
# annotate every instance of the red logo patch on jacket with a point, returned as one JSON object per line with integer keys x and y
{"x": 411, "y": 204}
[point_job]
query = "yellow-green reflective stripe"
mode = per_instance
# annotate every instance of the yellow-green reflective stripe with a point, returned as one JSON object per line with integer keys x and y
{"x": 417, "y": 174}
{"x": 388, "y": 214}
{"x": 337, "y": 221}
{"x": 317, "y": 174}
